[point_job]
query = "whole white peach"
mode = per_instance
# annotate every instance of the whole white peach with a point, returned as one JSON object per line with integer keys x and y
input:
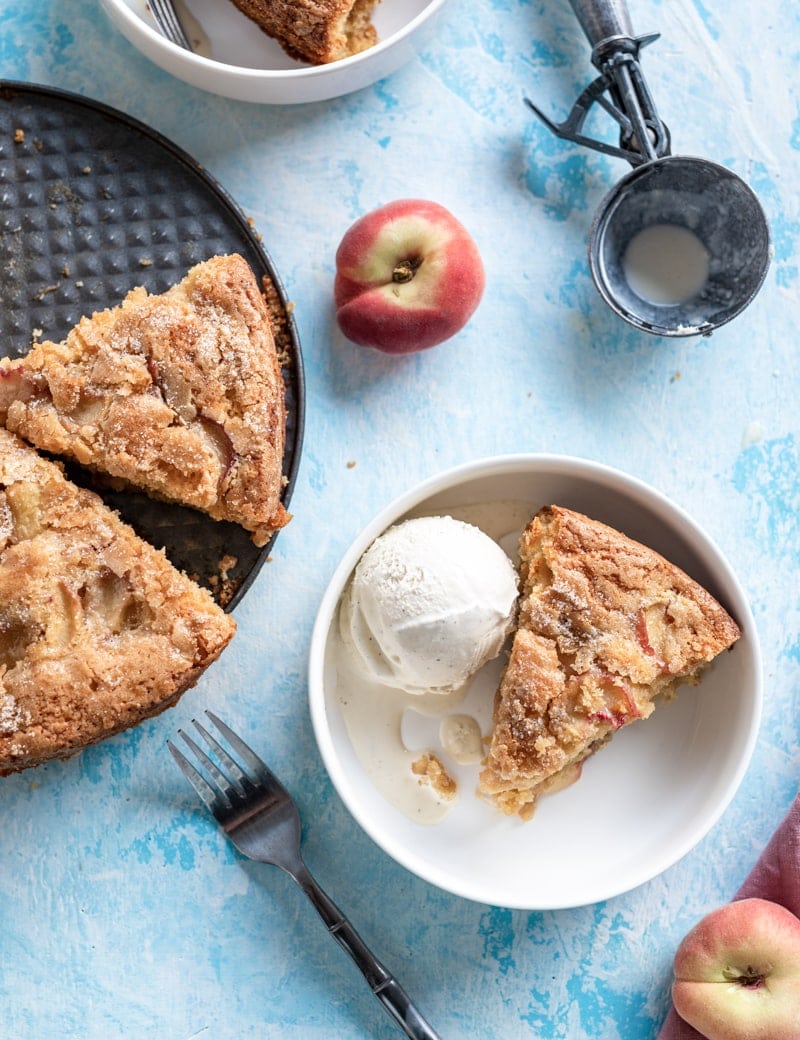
{"x": 737, "y": 973}
{"x": 408, "y": 276}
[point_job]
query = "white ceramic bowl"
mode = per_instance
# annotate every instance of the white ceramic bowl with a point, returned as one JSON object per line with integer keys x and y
{"x": 645, "y": 800}
{"x": 241, "y": 62}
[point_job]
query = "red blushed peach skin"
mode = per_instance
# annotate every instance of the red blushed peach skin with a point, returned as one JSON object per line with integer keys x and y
{"x": 408, "y": 276}
{"x": 737, "y": 973}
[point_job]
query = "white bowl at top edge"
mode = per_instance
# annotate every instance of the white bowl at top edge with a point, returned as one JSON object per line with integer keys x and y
{"x": 646, "y": 799}
{"x": 246, "y": 65}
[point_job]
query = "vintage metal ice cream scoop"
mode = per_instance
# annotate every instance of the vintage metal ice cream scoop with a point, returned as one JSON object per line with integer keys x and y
{"x": 680, "y": 245}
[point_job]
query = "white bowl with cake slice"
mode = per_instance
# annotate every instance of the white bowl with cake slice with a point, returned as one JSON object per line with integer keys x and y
{"x": 607, "y": 736}
{"x": 278, "y": 53}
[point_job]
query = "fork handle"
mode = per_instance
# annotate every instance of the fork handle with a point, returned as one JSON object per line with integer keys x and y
{"x": 383, "y": 984}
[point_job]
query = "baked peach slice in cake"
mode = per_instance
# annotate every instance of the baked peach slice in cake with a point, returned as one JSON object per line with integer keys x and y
{"x": 606, "y": 627}
{"x": 178, "y": 394}
{"x": 97, "y": 629}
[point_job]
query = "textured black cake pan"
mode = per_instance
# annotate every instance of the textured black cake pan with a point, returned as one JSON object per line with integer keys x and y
{"x": 92, "y": 204}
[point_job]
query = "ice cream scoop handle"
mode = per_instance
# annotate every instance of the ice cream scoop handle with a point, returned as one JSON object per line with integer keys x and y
{"x": 382, "y": 983}
{"x": 602, "y": 20}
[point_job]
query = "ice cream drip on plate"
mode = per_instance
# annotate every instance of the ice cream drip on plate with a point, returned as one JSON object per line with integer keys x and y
{"x": 418, "y": 653}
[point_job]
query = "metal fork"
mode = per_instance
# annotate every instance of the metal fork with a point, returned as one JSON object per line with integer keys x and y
{"x": 169, "y": 23}
{"x": 261, "y": 819}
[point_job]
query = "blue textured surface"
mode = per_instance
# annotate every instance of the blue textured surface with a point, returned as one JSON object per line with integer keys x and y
{"x": 123, "y": 913}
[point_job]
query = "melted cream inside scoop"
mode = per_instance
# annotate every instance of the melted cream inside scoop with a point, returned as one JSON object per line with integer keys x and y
{"x": 666, "y": 264}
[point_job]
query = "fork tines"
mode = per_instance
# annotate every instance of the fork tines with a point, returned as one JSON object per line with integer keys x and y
{"x": 227, "y": 785}
{"x": 169, "y": 23}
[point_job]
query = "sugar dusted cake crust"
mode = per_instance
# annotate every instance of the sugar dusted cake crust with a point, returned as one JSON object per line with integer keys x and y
{"x": 97, "y": 629}
{"x": 315, "y": 31}
{"x": 606, "y": 626}
{"x": 179, "y": 394}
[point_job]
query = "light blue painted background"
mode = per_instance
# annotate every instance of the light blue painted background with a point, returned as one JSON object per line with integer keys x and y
{"x": 123, "y": 913}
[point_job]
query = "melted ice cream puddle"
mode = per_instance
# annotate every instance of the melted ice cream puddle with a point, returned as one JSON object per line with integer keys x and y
{"x": 390, "y": 730}
{"x": 666, "y": 264}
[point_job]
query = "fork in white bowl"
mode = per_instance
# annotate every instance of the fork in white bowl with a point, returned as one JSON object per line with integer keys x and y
{"x": 261, "y": 819}
{"x": 169, "y": 23}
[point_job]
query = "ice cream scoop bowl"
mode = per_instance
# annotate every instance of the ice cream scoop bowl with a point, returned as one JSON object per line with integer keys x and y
{"x": 725, "y": 243}
{"x": 681, "y": 245}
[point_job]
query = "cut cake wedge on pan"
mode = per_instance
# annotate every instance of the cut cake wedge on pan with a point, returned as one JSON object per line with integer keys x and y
{"x": 178, "y": 394}
{"x": 98, "y": 631}
{"x": 606, "y": 626}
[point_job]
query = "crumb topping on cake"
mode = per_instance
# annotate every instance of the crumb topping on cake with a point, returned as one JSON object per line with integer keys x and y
{"x": 97, "y": 629}
{"x": 606, "y": 626}
{"x": 315, "y": 31}
{"x": 179, "y": 394}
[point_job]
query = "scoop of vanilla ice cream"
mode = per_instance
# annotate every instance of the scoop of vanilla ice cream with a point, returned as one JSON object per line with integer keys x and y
{"x": 430, "y": 602}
